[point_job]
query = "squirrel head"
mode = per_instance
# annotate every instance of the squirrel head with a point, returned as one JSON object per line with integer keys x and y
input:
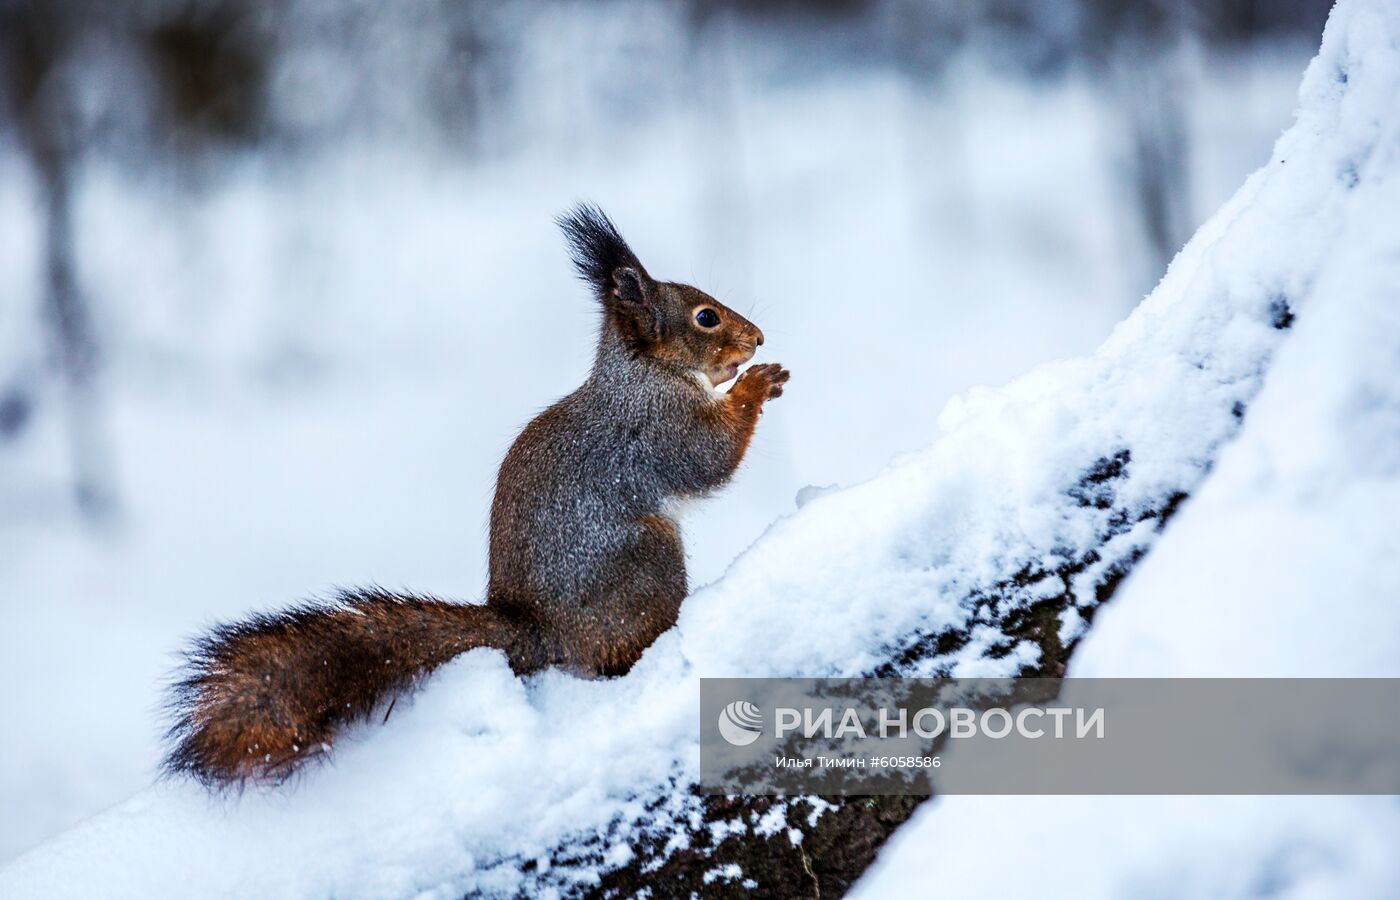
{"x": 675, "y": 324}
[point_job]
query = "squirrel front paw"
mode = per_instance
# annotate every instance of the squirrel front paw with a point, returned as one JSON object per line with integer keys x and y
{"x": 763, "y": 382}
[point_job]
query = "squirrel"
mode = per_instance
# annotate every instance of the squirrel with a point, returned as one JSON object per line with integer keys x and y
{"x": 585, "y": 557}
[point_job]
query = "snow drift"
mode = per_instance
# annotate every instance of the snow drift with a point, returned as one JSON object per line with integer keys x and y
{"x": 987, "y": 554}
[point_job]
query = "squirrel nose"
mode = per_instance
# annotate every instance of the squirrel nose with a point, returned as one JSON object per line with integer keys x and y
{"x": 759, "y": 338}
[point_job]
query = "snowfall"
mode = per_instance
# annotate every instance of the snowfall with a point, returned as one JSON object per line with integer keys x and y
{"x": 1261, "y": 376}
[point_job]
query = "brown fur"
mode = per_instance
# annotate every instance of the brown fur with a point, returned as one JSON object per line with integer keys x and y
{"x": 587, "y": 568}
{"x": 266, "y": 694}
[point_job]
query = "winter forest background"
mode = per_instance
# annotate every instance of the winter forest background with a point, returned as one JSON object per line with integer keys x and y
{"x": 278, "y": 281}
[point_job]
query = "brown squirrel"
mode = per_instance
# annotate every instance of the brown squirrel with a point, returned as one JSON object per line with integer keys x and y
{"x": 586, "y": 563}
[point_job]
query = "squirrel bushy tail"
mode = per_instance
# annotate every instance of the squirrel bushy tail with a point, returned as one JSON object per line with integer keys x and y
{"x": 259, "y": 697}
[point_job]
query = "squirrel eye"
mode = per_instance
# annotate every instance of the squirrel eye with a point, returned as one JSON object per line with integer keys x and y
{"x": 707, "y": 318}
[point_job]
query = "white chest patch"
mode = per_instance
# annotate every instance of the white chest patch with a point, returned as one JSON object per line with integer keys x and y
{"x": 704, "y": 381}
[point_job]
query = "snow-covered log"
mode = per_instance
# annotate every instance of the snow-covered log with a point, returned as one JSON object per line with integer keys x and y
{"x": 1285, "y": 563}
{"x": 988, "y": 554}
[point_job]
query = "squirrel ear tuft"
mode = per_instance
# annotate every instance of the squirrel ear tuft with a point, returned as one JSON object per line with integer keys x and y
{"x": 599, "y": 253}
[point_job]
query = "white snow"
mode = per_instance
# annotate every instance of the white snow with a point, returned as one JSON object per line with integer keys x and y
{"x": 482, "y": 771}
{"x": 1286, "y": 563}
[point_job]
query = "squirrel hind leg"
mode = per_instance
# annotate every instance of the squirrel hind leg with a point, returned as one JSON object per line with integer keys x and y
{"x": 608, "y": 633}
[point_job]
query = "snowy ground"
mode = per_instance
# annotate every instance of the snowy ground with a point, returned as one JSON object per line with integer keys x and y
{"x": 308, "y": 393}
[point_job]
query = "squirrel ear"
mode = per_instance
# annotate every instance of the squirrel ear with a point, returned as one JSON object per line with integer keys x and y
{"x": 627, "y": 285}
{"x": 633, "y": 299}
